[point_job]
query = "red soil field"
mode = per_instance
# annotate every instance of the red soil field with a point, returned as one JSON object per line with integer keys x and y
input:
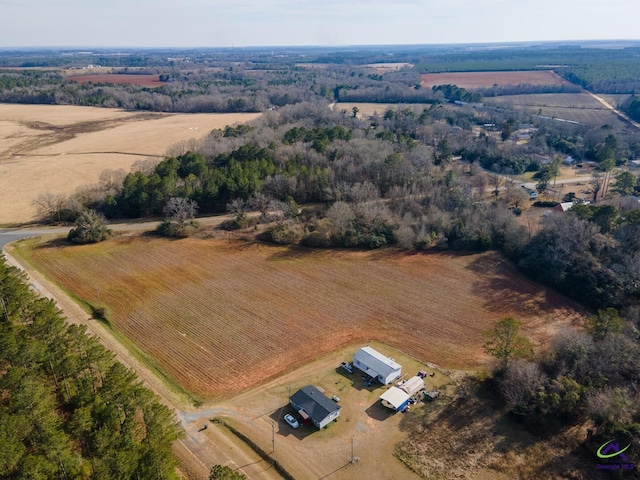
{"x": 222, "y": 316}
{"x": 128, "y": 79}
{"x": 472, "y": 80}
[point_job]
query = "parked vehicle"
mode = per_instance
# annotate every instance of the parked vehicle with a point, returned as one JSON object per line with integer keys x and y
{"x": 336, "y": 399}
{"x": 293, "y": 423}
{"x": 347, "y": 366}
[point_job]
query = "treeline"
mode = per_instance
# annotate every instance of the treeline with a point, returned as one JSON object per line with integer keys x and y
{"x": 584, "y": 377}
{"x": 632, "y": 108}
{"x": 233, "y": 89}
{"x": 453, "y": 93}
{"x": 68, "y": 410}
{"x": 392, "y": 180}
{"x": 527, "y": 89}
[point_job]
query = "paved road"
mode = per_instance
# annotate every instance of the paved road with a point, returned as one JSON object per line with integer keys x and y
{"x": 9, "y": 235}
{"x": 200, "y": 449}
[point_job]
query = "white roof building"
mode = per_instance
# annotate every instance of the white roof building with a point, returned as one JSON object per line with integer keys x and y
{"x": 376, "y": 365}
{"x": 395, "y": 399}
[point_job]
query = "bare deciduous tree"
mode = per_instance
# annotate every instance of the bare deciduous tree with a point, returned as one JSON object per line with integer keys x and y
{"x": 597, "y": 182}
{"x": 50, "y": 206}
{"x": 180, "y": 210}
{"x": 522, "y": 382}
{"x": 341, "y": 216}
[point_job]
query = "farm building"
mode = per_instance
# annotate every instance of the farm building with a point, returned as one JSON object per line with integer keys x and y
{"x": 312, "y": 403}
{"x": 412, "y": 386}
{"x": 397, "y": 398}
{"x": 563, "y": 207}
{"x": 376, "y": 365}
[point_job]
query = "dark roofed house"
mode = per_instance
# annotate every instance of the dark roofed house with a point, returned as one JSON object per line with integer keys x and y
{"x": 320, "y": 408}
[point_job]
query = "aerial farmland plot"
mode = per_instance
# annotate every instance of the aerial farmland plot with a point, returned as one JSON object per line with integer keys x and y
{"x": 119, "y": 79}
{"x": 58, "y": 148}
{"x": 473, "y": 80}
{"x": 220, "y": 316}
{"x": 577, "y": 107}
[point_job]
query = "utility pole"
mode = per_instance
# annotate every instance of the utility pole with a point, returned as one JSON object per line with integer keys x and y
{"x": 273, "y": 436}
{"x": 351, "y": 449}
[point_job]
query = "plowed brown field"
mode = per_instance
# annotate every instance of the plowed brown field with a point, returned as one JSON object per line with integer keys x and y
{"x": 473, "y": 80}
{"x": 220, "y": 316}
{"x": 120, "y": 79}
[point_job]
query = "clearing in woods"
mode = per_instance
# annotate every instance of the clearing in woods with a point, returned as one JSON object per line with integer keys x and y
{"x": 58, "y": 148}
{"x": 119, "y": 79}
{"x": 220, "y": 316}
{"x": 471, "y": 80}
{"x": 577, "y": 107}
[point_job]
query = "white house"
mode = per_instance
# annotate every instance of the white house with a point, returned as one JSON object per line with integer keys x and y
{"x": 376, "y": 365}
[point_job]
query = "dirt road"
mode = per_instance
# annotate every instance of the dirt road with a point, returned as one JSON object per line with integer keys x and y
{"x": 614, "y": 110}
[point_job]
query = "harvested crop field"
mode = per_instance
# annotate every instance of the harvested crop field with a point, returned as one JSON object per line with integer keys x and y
{"x": 471, "y": 80}
{"x": 57, "y": 148}
{"x": 221, "y": 316}
{"x": 119, "y": 79}
{"x": 577, "y": 107}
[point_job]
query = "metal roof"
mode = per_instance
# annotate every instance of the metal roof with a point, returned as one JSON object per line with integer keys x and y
{"x": 395, "y": 397}
{"x": 314, "y": 402}
{"x": 376, "y": 361}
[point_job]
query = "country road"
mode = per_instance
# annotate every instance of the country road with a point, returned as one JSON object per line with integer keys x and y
{"x": 201, "y": 448}
{"x": 614, "y": 110}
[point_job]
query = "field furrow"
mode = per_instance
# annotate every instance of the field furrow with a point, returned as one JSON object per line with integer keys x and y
{"x": 220, "y": 317}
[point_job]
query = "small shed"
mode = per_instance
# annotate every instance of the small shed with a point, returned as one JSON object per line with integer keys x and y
{"x": 310, "y": 402}
{"x": 413, "y": 385}
{"x": 377, "y": 365}
{"x": 395, "y": 399}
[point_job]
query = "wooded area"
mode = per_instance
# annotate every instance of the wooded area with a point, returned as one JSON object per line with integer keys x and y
{"x": 68, "y": 410}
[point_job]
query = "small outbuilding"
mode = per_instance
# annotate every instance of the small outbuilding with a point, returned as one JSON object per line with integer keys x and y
{"x": 320, "y": 409}
{"x": 395, "y": 399}
{"x": 413, "y": 385}
{"x": 377, "y": 365}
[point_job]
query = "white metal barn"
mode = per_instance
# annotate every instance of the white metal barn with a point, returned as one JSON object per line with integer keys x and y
{"x": 376, "y": 365}
{"x": 397, "y": 398}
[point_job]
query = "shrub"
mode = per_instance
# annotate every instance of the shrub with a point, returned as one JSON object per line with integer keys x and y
{"x": 89, "y": 228}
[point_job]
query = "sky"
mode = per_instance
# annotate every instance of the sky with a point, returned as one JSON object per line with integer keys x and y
{"x": 225, "y": 23}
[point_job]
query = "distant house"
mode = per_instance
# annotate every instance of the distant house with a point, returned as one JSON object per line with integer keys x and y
{"x": 563, "y": 207}
{"x": 376, "y": 365}
{"x": 541, "y": 159}
{"x": 634, "y": 163}
{"x": 568, "y": 161}
{"x": 311, "y": 403}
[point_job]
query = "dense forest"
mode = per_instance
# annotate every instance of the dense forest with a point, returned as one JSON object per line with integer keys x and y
{"x": 392, "y": 180}
{"x": 68, "y": 410}
{"x": 245, "y": 80}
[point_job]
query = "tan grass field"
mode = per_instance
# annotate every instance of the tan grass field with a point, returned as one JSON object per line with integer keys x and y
{"x": 56, "y": 148}
{"x": 219, "y": 316}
